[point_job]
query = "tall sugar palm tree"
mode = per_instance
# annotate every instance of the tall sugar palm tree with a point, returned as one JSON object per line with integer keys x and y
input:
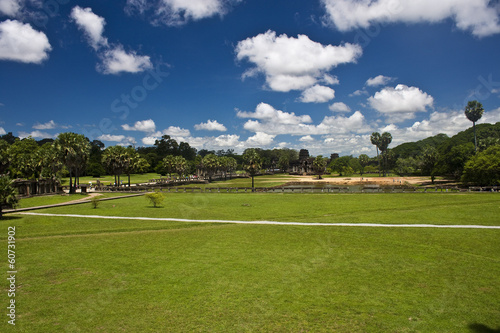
{"x": 73, "y": 150}
{"x": 252, "y": 163}
{"x": 376, "y": 138}
{"x": 474, "y": 111}
{"x": 385, "y": 140}
{"x": 116, "y": 160}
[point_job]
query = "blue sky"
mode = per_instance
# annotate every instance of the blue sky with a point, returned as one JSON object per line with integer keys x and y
{"x": 235, "y": 74}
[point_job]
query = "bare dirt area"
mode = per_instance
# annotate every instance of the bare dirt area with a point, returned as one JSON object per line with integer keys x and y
{"x": 363, "y": 180}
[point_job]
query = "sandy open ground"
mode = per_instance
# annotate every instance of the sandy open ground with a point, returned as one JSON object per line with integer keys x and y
{"x": 359, "y": 180}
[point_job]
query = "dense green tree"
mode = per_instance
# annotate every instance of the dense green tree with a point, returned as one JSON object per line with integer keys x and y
{"x": 51, "y": 161}
{"x": 169, "y": 164}
{"x": 9, "y": 138}
{"x": 407, "y": 166}
{"x": 429, "y": 159}
{"x": 252, "y": 163}
{"x": 166, "y": 146}
{"x": 474, "y": 111}
{"x": 8, "y": 195}
{"x": 4, "y": 156}
{"x": 483, "y": 168}
{"x": 26, "y": 161}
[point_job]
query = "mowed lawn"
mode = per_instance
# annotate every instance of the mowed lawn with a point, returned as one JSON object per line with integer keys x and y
{"x": 96, "y": 275}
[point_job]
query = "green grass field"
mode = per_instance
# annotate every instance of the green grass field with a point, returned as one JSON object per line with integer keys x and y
{"x": 96, "y": 275}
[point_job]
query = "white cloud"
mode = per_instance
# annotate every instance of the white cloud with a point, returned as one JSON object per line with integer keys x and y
{"x": 10, "y": 7}
{"x": 293, "y": 63}
{"x": 115, "y": 61}
{"x": 348, "y": 15}
{"x": 306, "y": 138}
{"x": 176, "y": 131}
{"x": 142, "y": 126}
{"x": 227, "y": 140}
{"x": 211, "y": 125}
{"x": 92, "y": 25}
{"x": 260, "y": 139}
{"x": 339, "y": 107}
{"x": 275, "y": 122}
{"x": 36, "y": 135}
{"x": 121, "y": 140}
{"x": 403, "y": 100}
{"x": 149, "y": 140}
{"x": 49, "y": 125}
{"x": 359, "y": 93}
{"x": 380, "y": 80}
{"x": 179, "y": 12}
{"x": 20, "y": 42}
{"x": 2, "y": 131}
{"x": 317, "y": 94}
{"x": 266, "y": 112}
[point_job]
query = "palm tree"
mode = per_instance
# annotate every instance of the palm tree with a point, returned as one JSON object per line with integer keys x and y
{"x": 73, "y": 150}
{"x": 319, "y": 165}
{"x": 169, "y": 164}
{"x": 252, "y": 164}
{"x": 474, "y": 111}
{"x": 180, "y": 165}
{"x": 116, "y": 159}
{"x": 7, "y": 193}
{"x": 210, "y": 163}
{"x": 375, "y": 138}
{"x": 385, "y": 140}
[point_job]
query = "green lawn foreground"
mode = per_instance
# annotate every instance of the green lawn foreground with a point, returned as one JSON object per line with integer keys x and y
{"x": 91, "y": 275}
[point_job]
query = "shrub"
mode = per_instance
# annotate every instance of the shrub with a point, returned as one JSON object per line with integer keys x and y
{"x": 95, "y": 201}
{"x": 156, "y": 198}
{"x": 483, "y": 168}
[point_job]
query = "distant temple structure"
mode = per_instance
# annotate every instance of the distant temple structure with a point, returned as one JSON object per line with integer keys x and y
{"x": 304, "y": 165}
{"x": 27, "y": 188}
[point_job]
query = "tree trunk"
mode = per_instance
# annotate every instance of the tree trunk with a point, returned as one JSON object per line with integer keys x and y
{"x": 378, "y": 158}
{"x": 253, "y": 186}
{"x": 475, "y": 140}
{"x": 129, "y": 180}
{"x": 70, "y": 183}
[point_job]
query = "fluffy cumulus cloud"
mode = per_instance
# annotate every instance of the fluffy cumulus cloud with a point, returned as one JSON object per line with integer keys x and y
{"x": 290, "y": 63}
{"x": 267, "y": 113}
{"x": 380, "y": 80}
{"x": 211, "y": 125}
{"x": 91, "y": 24}
{"x": 481, "y": 17}
{"x": 339, "y": 107}
{"x": 260, "y": 139}
{"x": 10, "y": 7}
{"x": 48, "y": 125}
{"x": 402, "y": 100}
{"x": 179, "y": 12}
{"x": 114, "y": 59}
{"x": 142, "y": 126}
{"x": 20, "y": 42}
{"x": 2, "y": 131}
{"x": 317, "y": 94}
{"x": 121, "y": 140}
{"x": 36, "y": 135}
{"x": 275, "y": 122}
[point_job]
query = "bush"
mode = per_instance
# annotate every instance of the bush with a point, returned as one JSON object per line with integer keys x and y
{"x": 156, "y": 198}
{"x": 95, "y": 201}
